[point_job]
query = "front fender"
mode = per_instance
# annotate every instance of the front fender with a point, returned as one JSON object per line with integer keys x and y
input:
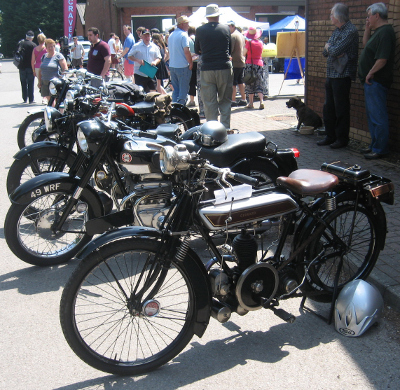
{"x": 192, "y": 264}
{"x": 40, "y": 145}
{"x": 55, "y": 181}
{"x": 36, "y": 110}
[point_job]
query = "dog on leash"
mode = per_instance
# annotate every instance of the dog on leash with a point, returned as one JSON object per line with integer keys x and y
{"x": 305, "y": 115}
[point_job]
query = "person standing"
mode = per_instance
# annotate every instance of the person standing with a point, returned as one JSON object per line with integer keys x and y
{"x": 128, "y": 44}
{"x": 26, "y": 75}
{"x": 77, "y": 53}
{"x": 145, "y": 50}
{"x": 253, "y": 52}
{"x": 375, "y": 71}
{"x": 213, "y": 42}
{"x": 162, "y": 71}
{"x": 37, "y": 54}
{"x": 180, "y": 61}
{"x": 341, "y": 52}
{"x": 195, "y": 58}
{"x": 99, "y": 58}
{"x": 53, "y": 63}
{"x": 238, "y": 63}
{"x": 111, "y": 45}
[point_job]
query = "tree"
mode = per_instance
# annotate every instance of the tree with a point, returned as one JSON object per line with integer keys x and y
{"x": 19, "y": 16}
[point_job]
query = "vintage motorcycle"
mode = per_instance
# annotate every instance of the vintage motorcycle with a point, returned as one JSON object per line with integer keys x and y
{"x": 45, "y": 224}
{"x": 140, "y": 294}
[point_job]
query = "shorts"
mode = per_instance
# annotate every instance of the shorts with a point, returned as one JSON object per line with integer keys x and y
{"x": 77, "y": 62}
{"x": 128, "y": 68}
{"x": 238, "y": 76}
{"x": 114, "y": 59}
{"x": 44, "y": 88}
{"x": 146, "y": 82}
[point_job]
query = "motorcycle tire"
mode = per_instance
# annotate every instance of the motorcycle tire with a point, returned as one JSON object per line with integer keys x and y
{"x": 359, "y": 260}
{"x": 180, "y": 118}
{"x": 104, "y": 325}
{"x": 37, "y": 162}
{"x": 27, "y": 128}
{"x": 28, "y": 229}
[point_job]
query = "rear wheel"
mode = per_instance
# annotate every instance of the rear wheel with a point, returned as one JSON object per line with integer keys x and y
{"x": 178, "y": 117}
{"x": 359, "y": 231}
{"x": 116, "y": 324}
{"x": 116, "y": 75}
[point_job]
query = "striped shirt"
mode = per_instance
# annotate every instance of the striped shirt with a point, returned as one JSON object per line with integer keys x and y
{"x": 343, "y": 40}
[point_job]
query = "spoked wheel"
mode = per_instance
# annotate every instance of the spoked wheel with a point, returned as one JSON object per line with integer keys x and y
{"x": 30, "y": 235}
{"x": 116, "y": 75}
{"x": 37, "y": 162}
{"x": 114, "y": 322}
{"x": 359, "y": 231}
{"x": 27, "y": 128}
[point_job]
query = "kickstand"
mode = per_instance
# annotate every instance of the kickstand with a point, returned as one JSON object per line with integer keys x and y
{"x": 334, "y": 296}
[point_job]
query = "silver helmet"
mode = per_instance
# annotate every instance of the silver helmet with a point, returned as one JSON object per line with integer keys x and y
{"x": 358, "y": 306}
{"x": 212, "y": 133}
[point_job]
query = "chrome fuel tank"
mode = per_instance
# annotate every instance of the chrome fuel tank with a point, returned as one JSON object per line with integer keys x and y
{"x": 244, "y": 211}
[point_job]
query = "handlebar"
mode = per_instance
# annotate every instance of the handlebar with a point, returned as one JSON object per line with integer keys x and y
{"x": 223, "y": 173}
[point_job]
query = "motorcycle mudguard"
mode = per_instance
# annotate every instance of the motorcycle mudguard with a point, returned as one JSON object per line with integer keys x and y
{"x": 192, "y": 264}
{"x": 55, "y": 181}
{"x": 177, "y": 108}
{"x": 35, "y": 110}
{"x": 285, "y": 161}
{"x": 39, "y": 145}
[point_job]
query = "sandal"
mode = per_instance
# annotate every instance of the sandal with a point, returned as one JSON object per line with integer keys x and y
{"x": 249, "y": 106}
{"x": 261, "y": 106}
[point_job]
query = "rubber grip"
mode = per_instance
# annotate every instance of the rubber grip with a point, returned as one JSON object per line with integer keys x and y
{"x": 245, "y": 179}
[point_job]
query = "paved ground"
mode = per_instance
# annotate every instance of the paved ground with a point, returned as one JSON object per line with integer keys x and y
{"x": 256, "y": 351}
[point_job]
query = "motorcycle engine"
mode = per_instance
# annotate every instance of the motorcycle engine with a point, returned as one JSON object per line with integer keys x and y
{"x": 150, "y": 202}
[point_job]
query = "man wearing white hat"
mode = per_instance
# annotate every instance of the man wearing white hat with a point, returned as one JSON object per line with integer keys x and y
{"x": 213, "y": 42}
{"x": 180, "y": 61}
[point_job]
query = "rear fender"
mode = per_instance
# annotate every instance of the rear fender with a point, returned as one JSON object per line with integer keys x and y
{"x": 178, "y": 108}
{"x": 40, "y": 145}
{"x": 286, "y": 161}
{"x": 55, "y": 181}
{"x": 192, "y": 264}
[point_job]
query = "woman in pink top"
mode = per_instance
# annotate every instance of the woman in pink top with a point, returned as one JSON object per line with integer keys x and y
{"x": 253, "y": 51}
{"x": 37, "y": 54}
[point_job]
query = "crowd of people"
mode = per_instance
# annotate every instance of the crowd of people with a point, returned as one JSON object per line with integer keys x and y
{"x": 212, "y": 60}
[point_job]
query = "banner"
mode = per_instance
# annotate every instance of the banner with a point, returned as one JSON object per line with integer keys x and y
{"x": 69, "y": 18}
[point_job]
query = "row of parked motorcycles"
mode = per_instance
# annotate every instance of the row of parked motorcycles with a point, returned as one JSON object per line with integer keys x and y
{"x": 131, "y": 184}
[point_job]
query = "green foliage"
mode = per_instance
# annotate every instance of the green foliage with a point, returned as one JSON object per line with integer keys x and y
{"x": 19, "y": 16}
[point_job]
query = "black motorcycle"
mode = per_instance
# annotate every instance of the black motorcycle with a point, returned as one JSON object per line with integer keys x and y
{"x": 140, "y": 294}
{"x": 45, "y": 224}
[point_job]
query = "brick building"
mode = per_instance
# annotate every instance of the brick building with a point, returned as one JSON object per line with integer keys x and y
{"x": 319, "y": 29}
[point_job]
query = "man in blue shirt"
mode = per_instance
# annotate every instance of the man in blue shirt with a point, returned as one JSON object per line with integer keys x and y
{"x": 128, "y": 44}
{"x": 180, "y": 61}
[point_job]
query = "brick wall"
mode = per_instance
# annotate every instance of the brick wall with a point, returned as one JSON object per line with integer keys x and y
{"x": 319, "y": 30}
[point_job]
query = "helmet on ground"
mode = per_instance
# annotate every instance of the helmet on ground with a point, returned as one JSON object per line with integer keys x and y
{"x": 212, "y": 133}
{"x": 358, "y": 306}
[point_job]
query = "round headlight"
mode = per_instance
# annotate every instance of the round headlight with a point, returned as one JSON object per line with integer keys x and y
{"x": 52, "y": 89}
{"x": 174, "y": 158}
{"x": 82, "y": 142}
{"x": 70, "y": 95}
{"x": 50, "y": 115}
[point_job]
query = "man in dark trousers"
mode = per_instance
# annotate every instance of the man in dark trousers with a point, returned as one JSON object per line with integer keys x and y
{"x": 99, "y": 58}
{"x": 213, "y": 42}
{"x": 341, "y": 51}
{"x": 375, "y": 71}
{"x": 26, "y": 75}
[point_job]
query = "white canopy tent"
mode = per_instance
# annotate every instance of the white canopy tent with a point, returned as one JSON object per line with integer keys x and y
{"x": 227, "y": 14}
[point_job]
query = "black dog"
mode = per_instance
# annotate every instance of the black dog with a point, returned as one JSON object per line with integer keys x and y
{"x": 305, "y": 115}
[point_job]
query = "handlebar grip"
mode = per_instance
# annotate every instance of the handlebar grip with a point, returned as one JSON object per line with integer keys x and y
{"x": 145, "y": 134}
{"x": 245, "y": 179}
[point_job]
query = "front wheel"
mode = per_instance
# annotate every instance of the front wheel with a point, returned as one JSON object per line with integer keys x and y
{"x": 360, "y": 231}
{"x": 29, "y": 229}
{"x": 28, "y": 127}
{"x": 35, "y": 163}
{"x": 125, "y": 312}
